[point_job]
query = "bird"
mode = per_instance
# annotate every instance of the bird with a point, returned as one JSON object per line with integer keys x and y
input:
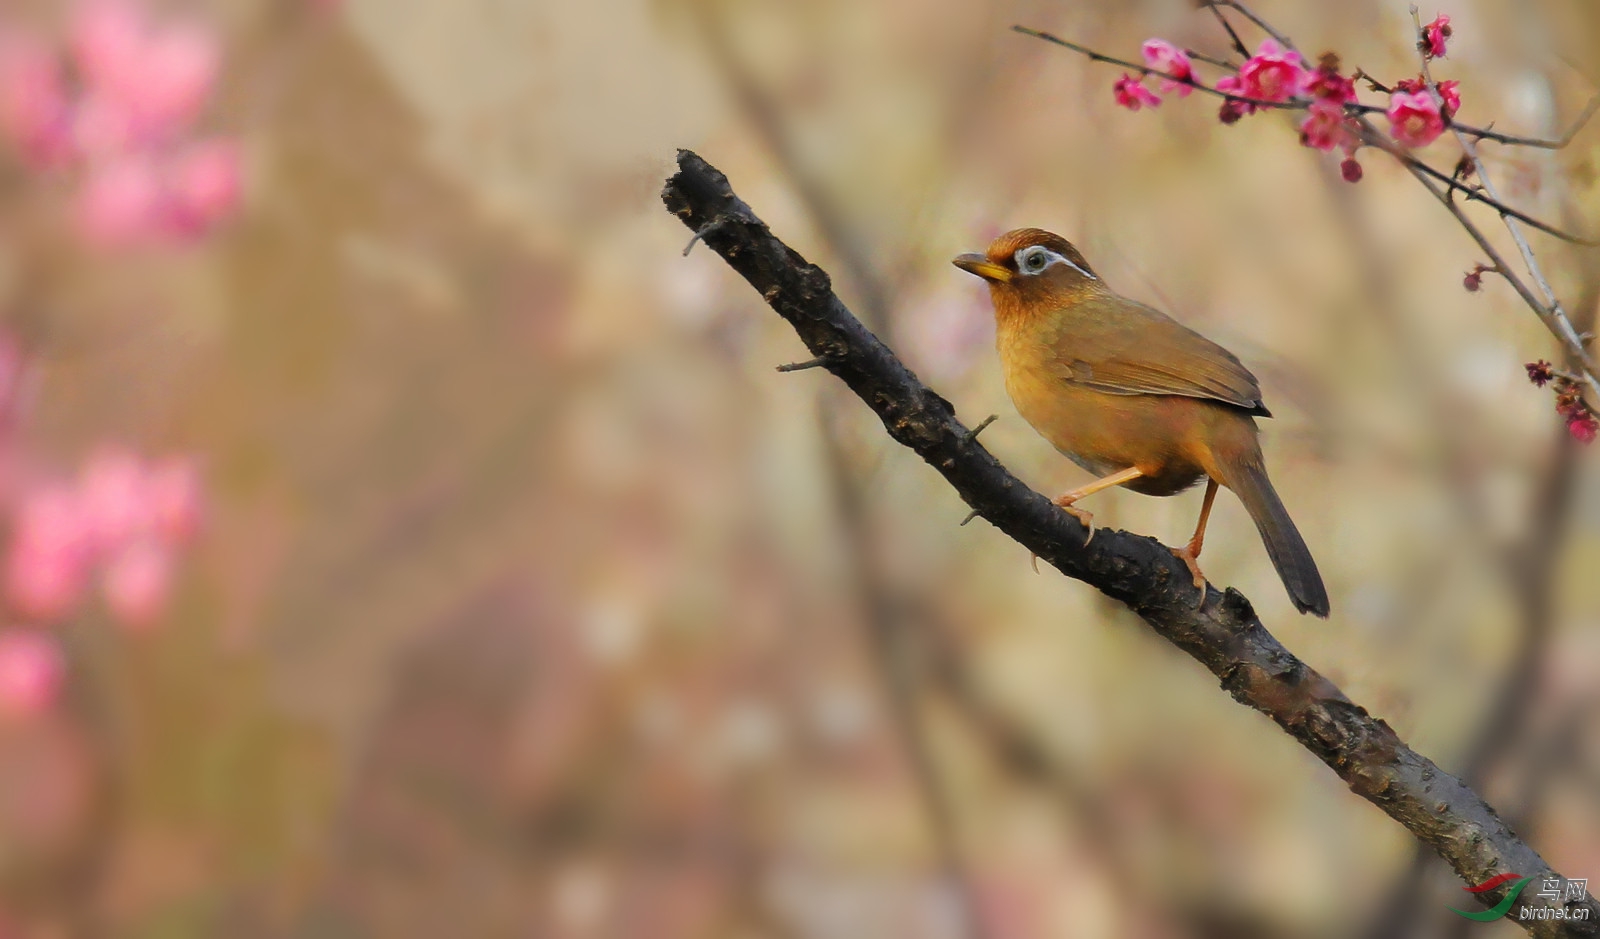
{"x": 1134, "y": 397}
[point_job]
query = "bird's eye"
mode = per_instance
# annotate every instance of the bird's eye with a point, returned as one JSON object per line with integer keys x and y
{"x": 1035, "y": 260}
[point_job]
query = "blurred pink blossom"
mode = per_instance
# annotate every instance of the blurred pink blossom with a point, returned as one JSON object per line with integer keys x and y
{"x": 34, "y": 110}
{"x": 121, "y": 203}
{"x": 124, "y": 128}
{"x": 113, "y": 498}
{"x": 143, "y": 83}
{"x": 204, "y": 186}
{"x": 50, "y": 553}
{"x": 138, "y": 583}
{"x": 125, "y": 517}
{"x": 31, "y": 670}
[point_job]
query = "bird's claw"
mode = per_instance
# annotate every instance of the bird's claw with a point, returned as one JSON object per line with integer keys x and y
{"x": 1190, "y": 558}
{"x": 1082, "y": 515}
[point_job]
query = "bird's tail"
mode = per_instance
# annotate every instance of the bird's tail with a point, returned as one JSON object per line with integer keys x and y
{"x": 1285, "y": 547}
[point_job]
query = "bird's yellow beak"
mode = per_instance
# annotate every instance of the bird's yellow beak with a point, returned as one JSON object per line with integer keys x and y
{"x": 974, "y": 263}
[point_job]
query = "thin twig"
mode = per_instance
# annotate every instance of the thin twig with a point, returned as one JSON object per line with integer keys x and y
{"x": 1250, "y": 15}
{"x": 1144, "y": 70}
{"x": 1472, "y": 193}
{"x": 1233, "y": 36}
{"x": 820, "y": 361}
{"x": 1543, "y": 143}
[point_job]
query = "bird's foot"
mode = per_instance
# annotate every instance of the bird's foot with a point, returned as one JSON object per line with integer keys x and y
{"x": 1082, "y": 515}
{"x": 1189, "y": 554}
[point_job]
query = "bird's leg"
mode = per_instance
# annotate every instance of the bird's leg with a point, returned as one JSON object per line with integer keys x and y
{"x": 1190, "y": 553}
{"x": 1066, "y": 499}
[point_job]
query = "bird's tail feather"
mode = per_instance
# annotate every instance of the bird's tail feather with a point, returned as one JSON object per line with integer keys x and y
{"x": 1285, "y": 547}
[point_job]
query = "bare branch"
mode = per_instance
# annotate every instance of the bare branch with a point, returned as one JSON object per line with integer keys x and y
{"x": 1233, "y": 36}
{"x": 1222, "y": 632}
{"x": 1472, "y": 193}
{"x": 1557, "y": 143}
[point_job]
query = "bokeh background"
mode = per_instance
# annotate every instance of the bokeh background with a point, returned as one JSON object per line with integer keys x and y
{"x": 531, "y": 601}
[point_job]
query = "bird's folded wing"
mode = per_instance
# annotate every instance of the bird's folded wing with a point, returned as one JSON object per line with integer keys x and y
{"x": 1148, "y": 352}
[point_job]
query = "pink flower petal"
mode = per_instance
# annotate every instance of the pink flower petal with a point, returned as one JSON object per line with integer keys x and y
{"x": 1172, "y": 62}
{"x": 1132, "y": 94}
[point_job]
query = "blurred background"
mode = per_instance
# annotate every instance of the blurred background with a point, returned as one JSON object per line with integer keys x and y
{"x": 406, "y": 539}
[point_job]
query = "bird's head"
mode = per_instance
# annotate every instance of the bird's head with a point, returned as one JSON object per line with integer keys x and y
{"x": 1030, "y": 266}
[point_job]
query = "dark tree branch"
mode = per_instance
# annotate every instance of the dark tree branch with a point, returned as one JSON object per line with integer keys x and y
{"x": 1222, "y": 632}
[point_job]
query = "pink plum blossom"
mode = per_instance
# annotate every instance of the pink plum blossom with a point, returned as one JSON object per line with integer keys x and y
{"x": 1350, "y": 170}
{"x": 31, "y": 671}
{"x": 1414, "y": 119}
{"x": 1449, "y": 92}
{"x": 1324, "y": 127}
{"x": 1326, "y": 85}
{"x": 1434, "y": 35}
{"x": 138, "y": 583}
{"x": 1582, "y": 427}
{"x": 1273, "y": 73}
{"x": 1132, "y": 94}
{"x": 1171, "y": 62}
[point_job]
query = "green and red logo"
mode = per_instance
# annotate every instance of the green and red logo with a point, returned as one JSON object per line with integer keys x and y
{"x": 1561, "y": 892}
{"x": 1499, "y": 909}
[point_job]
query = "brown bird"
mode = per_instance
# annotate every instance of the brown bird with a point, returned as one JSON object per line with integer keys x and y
{"x": 1133, "y": 396}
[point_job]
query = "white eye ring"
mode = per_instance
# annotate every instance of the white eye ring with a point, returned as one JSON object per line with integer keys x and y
{"x": 1035, "y": 259}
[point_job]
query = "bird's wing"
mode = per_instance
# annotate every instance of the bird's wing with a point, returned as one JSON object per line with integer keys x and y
{"x": 1145, "y": 351}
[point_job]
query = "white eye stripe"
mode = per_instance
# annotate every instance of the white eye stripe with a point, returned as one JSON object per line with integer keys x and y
{"x": 1051, "y": 258}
